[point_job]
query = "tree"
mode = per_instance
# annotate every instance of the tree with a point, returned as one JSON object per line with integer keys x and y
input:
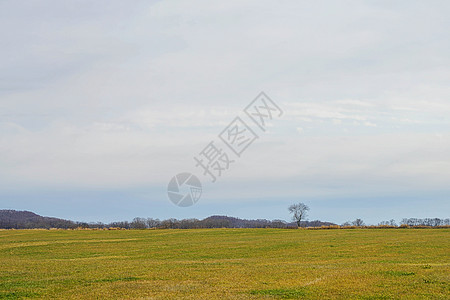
{"x": 299, "y": 212}
{"x": 358, "y": 222}
{"x": 139, "y": 223}
{"x": 152, "y": 223}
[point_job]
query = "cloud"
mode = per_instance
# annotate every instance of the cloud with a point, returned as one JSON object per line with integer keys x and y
{"x": 108, "y": 95}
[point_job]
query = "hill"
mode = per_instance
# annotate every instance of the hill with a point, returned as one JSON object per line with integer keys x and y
{"x": 12, "y": 219}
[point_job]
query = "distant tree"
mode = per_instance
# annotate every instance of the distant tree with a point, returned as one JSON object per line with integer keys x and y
{"x": 170, "y": 223}
{"x": 83, "y": 224}
{"x": 278, "y": 224}
{"x": 432, "y": 222}
{"x": 391, "y": 222}
{"x": 96, "y": 225}
{"x": 152, "y": 223}
{"x": 139, "y": 223}
{"x": 346, "y": 223}
{"x": 358, "y": 222}
{"x": 188, "y": 223}
{"x": 299, "y": 212}
{"x": 122, "y": 224}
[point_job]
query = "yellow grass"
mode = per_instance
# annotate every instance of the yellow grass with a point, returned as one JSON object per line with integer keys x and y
{"x": 225, "y": 264}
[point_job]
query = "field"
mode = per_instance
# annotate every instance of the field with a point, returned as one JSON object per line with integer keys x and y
{"x": 226, "y": 264}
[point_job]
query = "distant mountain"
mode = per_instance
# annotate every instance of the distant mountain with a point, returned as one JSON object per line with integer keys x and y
{"x": 13, "y": 219}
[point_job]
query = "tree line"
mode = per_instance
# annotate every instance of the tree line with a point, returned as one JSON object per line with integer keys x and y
{"x": 210, "y": 222}
{"x": 299, "y": 212}
{"x": 11, "y": 219}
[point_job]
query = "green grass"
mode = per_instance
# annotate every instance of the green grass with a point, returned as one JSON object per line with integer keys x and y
{"x": 225, "y": 264}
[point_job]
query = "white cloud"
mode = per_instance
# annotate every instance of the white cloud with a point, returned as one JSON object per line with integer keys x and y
{"x": 108, "y": 95}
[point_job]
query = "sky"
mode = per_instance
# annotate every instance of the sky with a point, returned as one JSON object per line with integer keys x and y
{"x": 103, "y": 102}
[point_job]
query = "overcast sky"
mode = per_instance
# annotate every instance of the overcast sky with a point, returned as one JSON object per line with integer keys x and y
{"x": 102, "y": 102}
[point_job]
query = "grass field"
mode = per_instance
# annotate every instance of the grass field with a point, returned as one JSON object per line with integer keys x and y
{"x": 225, "y": 263}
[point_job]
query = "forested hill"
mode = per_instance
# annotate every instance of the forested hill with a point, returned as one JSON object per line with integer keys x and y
{"x": 26, "y": 219}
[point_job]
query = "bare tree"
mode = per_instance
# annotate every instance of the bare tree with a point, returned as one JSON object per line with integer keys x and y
{"x": 358, "y": 222}
{"x": 153, "y": 223}
{"x": 299, "y": 212}
{"x": 391, "y": 222}
{"x": 139, "y": 223}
